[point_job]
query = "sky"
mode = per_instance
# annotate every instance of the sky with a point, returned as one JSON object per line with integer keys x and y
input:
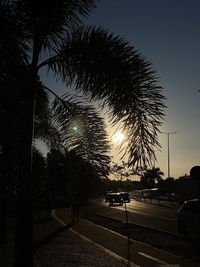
{"x": 167, "y": 33}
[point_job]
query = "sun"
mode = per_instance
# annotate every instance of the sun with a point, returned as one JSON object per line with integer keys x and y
{"x": 118, "y": 137}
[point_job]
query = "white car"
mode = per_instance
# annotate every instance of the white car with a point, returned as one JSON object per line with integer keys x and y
{"x": 188, "y": 219}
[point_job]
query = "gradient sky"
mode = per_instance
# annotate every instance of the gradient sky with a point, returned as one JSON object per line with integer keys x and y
{"x": 167, "y": 33}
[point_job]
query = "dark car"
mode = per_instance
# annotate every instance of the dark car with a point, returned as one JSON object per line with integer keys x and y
{"x": 114, "y": 198}
{"x": 107, "y": 197}
{"x": 126, "y": 197}
{"x": 188, "y": 219}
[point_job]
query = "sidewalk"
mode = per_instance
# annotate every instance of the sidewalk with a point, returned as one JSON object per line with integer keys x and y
{"x": 58, "y": 246}
{"x": 140, "y": 254}
{"x": 87, "y": 244}
{"x": 66, "y": 248}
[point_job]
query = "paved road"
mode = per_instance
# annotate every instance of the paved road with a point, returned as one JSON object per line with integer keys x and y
{"x": 149, "y": 215}
{"x": 140, "y": 254}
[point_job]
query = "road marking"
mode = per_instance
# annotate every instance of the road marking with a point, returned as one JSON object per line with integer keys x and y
{"x": 109, "y": 252}
{"x": 59, "y": 220}
{"x": 165, "y": 264}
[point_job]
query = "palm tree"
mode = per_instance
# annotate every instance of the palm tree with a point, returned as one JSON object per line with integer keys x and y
{"x": 71, "y": 127}
{"x": 151, "y": 177}
{"x": 86, "y": 146}
{"x": 44, "y": 128}
{"x": 82, "y": 131}
{"x": 39, "y": 180}
{"x": 36, "y": 34}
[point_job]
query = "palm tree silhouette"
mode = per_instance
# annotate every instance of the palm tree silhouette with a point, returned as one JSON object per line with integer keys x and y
{"x": 151, "y": 177}
{"x": 50, "y": 35}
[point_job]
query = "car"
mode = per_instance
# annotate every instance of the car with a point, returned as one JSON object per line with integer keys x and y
{"x": 126, "y": 197}
{"x": 188, "y": 219}
{"x": 114, "y": 198}
{"x": 107, "y": 197}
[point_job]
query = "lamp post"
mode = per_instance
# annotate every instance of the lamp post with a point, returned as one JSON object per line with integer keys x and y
{"x": 168, "y": 151}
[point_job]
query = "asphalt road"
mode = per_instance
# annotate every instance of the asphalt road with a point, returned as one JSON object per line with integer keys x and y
{"x": 149, "y": 215}
{"x": 140, "y": 254}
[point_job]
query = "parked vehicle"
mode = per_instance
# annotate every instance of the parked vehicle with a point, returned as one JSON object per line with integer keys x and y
{"x": 188, "y": 219}
{"x": 114, "y": 198}
{"x": 107, "y": 197}
{"x": 125, "y": 196}
{"x": 186, "y": 189}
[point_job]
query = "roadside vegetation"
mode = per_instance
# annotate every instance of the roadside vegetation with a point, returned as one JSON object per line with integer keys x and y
{"x": 50, "y": 37}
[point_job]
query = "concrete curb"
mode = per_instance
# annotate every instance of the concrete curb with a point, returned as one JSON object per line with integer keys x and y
{"x": 109, "y": 252}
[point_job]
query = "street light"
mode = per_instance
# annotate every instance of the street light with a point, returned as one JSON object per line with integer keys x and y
{"x": 168, "y": 134}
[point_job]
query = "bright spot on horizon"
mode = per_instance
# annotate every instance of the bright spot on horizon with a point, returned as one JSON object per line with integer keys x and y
{"x": 118, "y": 137}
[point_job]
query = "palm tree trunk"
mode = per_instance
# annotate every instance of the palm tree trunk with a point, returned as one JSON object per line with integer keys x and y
{"x": 3, "y": 220}
{"x": 24, "y": 209}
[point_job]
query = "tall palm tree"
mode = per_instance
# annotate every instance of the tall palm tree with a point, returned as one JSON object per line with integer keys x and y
{"x": 151, "y": 177}
{"x": 68, "y": 126}
{"x": 44, "y": 128}
{"x": 36, "y": 34}
{"x": 83, "y": 132}
{"x": 86, "y": 147}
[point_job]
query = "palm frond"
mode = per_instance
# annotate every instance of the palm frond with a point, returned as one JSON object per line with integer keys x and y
{"x": 106, "y": 67}
{"x": 82, "y": 130}
{"x": 13, "y": 49}
{"x": 44, "y": 128}
{"x": 48, "y": 20}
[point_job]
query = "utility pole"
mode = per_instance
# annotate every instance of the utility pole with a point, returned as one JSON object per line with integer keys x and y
{"x": 168, "y": 150}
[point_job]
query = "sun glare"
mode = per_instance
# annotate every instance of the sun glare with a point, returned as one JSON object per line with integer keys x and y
{"x": 118, "y": 137}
